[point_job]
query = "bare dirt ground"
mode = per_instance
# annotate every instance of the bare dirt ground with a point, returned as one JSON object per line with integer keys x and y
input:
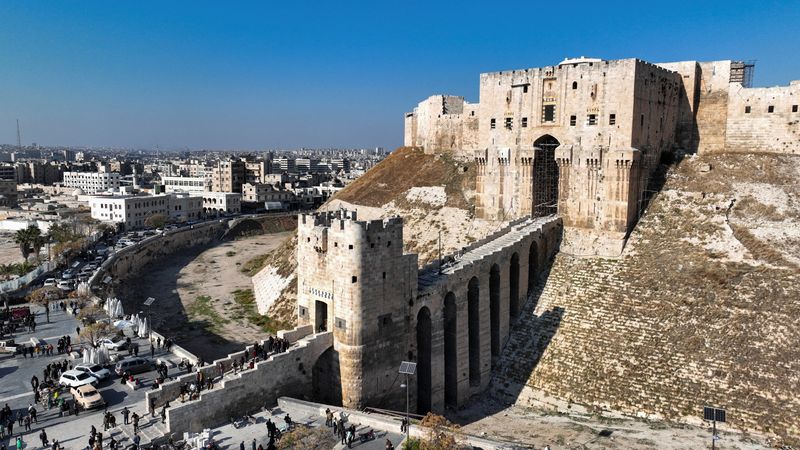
{"x": 9, "y": 251}
{"x": 202, "y": 296}
{"x": 532, "y": 427}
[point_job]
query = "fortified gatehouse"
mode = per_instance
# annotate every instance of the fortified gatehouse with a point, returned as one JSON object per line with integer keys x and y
{"x": 583, "y": 137}
{"x": 453, "y": 319}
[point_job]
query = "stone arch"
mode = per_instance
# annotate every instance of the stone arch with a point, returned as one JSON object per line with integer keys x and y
{"x": 545, "y": 180}
{"x": 450, "y": 322}
{"x": 423, "y": 361}
{"x": 533, "y": 266}
{"x": 513, "y": 284}
{"x": 326, "y": 378}
{"x": 494, "y": 310}
{"x": 474, "y": 325}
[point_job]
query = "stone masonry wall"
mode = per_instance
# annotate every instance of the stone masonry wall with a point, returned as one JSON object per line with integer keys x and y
{"x": 663, "y": 330}
{"x": 281, "y": 374}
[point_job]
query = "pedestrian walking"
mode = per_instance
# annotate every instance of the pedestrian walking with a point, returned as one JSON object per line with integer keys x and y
{"x": 254, "y": 445}
{"x": 152, "y": 407}
{"x": 152, "y": 351}
{"x": 43, "y": 437}
{"x": 125, "y": 414}
{"x": 164, "y": 414}
{"x": 241, "y": 446}
{"x": 389, "y": 445}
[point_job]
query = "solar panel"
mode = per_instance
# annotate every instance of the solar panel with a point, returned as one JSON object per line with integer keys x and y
{"x": 149, "y": 301}
{"x": 711, "y": 413}
{"x": 408, "y": 368}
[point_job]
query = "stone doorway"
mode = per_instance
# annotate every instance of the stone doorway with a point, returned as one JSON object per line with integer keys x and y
{"x": 545, "y": 176}
{"x": 320, "y": 316}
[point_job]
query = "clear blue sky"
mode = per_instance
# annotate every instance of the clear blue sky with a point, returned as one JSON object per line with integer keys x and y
{"x": 242, "y": 75}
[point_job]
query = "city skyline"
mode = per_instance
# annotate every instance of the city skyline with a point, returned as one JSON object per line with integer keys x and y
{"x": 195, "y": 76}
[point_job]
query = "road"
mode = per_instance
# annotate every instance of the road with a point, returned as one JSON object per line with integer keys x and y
{"x": 16, "y": 373}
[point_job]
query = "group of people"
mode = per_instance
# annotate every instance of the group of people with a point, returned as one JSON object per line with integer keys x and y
{"x": 271, "y": 345}
{"x": 53, "y": 371}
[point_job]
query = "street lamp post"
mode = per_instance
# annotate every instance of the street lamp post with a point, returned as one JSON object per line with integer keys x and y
{"x": 407, "y": 368}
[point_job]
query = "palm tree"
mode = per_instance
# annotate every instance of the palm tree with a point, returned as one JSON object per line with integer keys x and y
{"x": 26, "y": 239}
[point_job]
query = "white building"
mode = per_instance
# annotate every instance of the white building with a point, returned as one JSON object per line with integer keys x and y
{"x": 132, "y": 211}
{"x": 215, "y": 203}
{"x": 186, "y": 184}
{"x": 92, "y": 182}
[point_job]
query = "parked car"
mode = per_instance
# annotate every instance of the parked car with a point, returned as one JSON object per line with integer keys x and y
{"x": 133, "y": 365}
{"x": 76, "y": 378}
{"x": 66, "y": 285}
{"x": 95, "y": 370}
{"x": 115, "y": 343}
{"x": 90, "y": 266}
{"x": 50, "y": 282}
{"x": 87, "y": 397}
{"x": 68, "y": 274}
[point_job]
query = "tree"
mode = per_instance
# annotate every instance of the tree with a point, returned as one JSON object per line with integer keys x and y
{"x": 156, "y": 220}
{"x": 61, "y": 232}
{"x": 43, "y": 296}
{"x": 91, "y": 313}
{"x": 27, "y": 239}
{"x": 92, "y": 333}
{"x": 438, "y": 435}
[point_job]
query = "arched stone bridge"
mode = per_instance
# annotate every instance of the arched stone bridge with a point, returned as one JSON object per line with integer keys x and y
{"x": 463, "y": 314}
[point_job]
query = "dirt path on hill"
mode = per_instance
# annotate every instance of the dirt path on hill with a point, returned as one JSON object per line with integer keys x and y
{"x": 196, "y": 295}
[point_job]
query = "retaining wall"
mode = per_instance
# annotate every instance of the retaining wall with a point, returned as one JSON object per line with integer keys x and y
{"x": 288, "y": 373}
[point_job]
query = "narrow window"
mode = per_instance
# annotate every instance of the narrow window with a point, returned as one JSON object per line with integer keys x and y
{"x": 770, "y": 109}
{"x": 509, "y": 123}
{"x": 612, "y": 119}
{"x": 592, "y": 119}
{"x": 747, "y": 110}
{"x": 641, "y": 120}
{"x": 354, "y": 279}
{"x": 389, "y": 244}
{"x": 493, "y": 124}
{"x": 573, "y": 120}
{"x": 524, "y": 122}
{"x": 574, "y": 85}
{"x": 549, "y": 113}
{"x": 384, "y": 275}
{"x": 794, "y": 108}
{"x": 372, "y": 245}
{"x": 525, "y": 89}
{"x": 350, "y": 246}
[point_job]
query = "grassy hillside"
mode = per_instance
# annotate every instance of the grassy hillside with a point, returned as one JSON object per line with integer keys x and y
{"x": 409, "y": 167}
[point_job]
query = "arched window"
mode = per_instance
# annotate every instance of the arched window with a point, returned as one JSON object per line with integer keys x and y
{"x": 574, "y": 85}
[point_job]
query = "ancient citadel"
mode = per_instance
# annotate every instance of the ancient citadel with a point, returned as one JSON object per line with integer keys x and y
{"x": 583, "y": 137}
{"x": 565, "y": 155}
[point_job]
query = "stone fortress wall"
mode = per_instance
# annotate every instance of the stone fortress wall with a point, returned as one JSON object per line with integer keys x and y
{"x": 609, "y": 123}
{"x": 354, "y": 279}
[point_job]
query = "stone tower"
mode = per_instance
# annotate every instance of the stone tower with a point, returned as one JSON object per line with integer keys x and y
{"x": 354, "y": 280}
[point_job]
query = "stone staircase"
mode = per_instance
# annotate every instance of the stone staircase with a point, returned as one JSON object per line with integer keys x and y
{"x": 150, "y": 429}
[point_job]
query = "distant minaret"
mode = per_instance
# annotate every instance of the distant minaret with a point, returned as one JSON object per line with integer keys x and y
{"x": 19, "y": 139}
